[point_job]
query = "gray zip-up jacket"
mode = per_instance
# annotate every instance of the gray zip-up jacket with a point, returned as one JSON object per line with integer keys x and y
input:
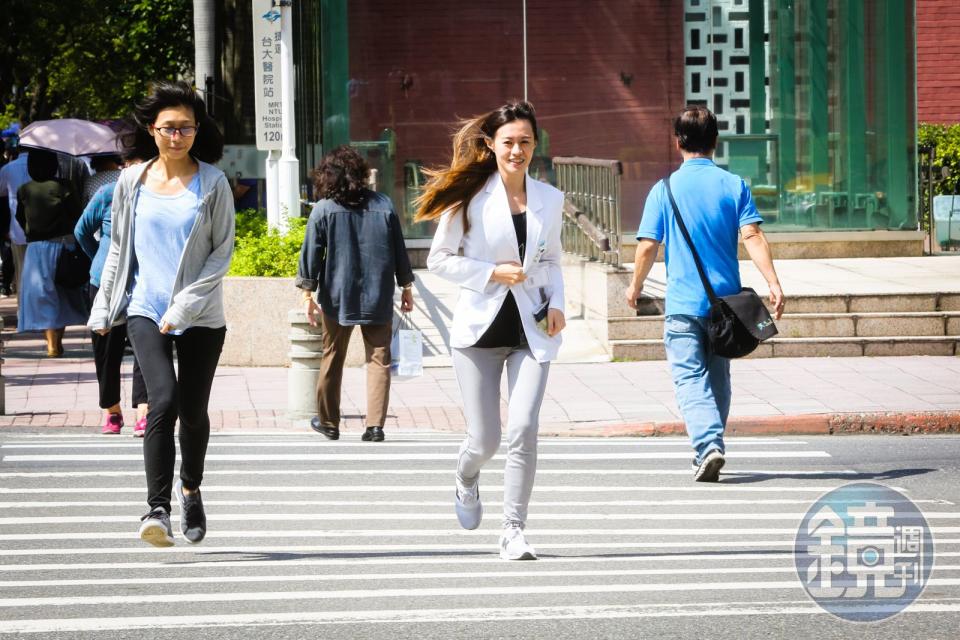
{"x": 197, "y": 297}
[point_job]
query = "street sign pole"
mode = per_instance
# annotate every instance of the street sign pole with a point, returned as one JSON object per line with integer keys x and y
{"x": 289, "y": 165}
{"x": 267, "y": 83}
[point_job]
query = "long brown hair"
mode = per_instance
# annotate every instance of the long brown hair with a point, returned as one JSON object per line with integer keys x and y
{"x": 452, "y": 187}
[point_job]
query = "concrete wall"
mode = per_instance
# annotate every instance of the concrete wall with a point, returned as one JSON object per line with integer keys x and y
{"x": 257, "y": 326}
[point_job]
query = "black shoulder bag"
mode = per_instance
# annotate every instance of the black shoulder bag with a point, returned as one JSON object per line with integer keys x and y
{"x": 738, "y": 323}
{"x": 73, "y": 267}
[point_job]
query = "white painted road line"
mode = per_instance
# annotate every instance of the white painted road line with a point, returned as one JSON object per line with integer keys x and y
{"x": 700, "y": 488}
{"x": 429, "y": 575}
{"x": 486, "y": 614}
{"x": 305, "y": 534}
{"x": 733, "y": 473}
{"x": 698, "y": 560}
{"x": 273, "y": 444}
{"x": 138, "y": 504}
{"x": 409, "y": 548}
{"x": 439, "y": 592}
{"x": 376, "y": 516}
{"x": 393, "y": 457}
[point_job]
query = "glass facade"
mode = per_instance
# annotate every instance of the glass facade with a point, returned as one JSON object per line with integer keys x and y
{"x": 815, "y": 98}
{"x": 816, "y": 103}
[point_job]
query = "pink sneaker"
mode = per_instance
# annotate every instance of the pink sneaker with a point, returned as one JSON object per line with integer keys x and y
{"x": 140, "y": 428}
{"x": 113, "y": 424}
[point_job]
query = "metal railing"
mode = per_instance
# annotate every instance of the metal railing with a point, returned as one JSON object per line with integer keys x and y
{"x": 591, "y": 223}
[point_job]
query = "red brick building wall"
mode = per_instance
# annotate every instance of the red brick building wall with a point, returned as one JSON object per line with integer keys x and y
{"x": 606, "y": 76}
{"x": 938, "y": 75}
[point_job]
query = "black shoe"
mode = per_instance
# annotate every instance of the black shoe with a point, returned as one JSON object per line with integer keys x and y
{"x": 709, "y": 468}
{"x": 193, "y": 520}
{"x": 373, "y": 434}
{"x": 332, "y": 433}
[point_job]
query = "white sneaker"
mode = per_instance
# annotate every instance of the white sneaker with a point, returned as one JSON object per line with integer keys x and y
{"x": 513, "y": 546}
{"x": 468, "y": 506}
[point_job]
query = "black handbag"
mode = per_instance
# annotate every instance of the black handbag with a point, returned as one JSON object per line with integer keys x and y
{"x": 73, "y": 267}
{"x": 738, "y": 323}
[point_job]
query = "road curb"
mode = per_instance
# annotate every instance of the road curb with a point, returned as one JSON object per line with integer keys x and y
{"x": 890, "y": 422}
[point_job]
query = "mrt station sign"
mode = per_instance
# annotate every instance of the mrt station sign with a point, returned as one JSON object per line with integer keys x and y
{"x": 266, "y": 72}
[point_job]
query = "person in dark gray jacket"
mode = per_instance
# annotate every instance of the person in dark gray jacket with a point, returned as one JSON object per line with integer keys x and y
{"x": 352, "y": 253}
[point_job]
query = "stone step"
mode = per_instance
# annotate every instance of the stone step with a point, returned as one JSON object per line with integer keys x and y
{"x": 846, "y": 303}
{"x": 810, "y": 347}
{"x": 813, "y": 325}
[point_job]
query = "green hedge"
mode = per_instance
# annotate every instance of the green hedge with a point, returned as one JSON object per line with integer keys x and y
{"x": 946, "y": 139}
{"x": 261, "y": 252}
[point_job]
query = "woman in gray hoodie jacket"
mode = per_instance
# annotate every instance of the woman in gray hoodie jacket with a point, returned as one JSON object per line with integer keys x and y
{"x": 172, "y": 240}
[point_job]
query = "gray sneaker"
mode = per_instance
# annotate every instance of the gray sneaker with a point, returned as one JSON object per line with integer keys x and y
{"x": 193, "y": 519}
{"x": 709, "y": 468}
{"x": 468, "y": 506}
{"x": 155, "y": 528}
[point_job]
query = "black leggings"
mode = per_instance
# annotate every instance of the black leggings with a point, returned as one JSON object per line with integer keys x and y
{"x": 108, "y": 356}
{"x": 184, "y": 393}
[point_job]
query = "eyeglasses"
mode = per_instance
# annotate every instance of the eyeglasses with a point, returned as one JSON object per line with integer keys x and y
{"x": 185, "y": 132}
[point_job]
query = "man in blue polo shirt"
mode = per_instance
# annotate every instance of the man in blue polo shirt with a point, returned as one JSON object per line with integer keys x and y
{"x": 716, "y": 207}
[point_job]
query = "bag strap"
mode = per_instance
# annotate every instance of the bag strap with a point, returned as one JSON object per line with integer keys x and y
{"x": 711, "y": 294}
{"x": 400, "y": 324}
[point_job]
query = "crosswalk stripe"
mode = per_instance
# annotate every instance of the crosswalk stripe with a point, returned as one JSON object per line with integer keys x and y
{"x": 393, "y": 457}
{"x": 413, "y": 548}
{"x": 277, "y": 534}
{"x": 137, "y": 504}
{"x": 414, "y": 472}
{"x": 438, "y": 592}
{"x": 446, "y": 515}
{"x": 693, "y": 611}
{"x": 429, "y": 575}
{"x": 444, "y": 488}
{"x": 699, "y": 559}
{"x": 273, "y": 444}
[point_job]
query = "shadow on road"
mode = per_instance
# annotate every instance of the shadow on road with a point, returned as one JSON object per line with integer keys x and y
{"x": 893, "y": 474}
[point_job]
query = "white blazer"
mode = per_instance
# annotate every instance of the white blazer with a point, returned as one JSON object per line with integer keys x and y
{"x": 492, "y": 240}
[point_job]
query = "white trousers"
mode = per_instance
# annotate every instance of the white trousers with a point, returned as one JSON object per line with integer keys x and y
{"x": 479, "y": 372}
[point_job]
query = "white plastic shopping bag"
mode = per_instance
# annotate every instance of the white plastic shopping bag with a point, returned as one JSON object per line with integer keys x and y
{"x": 407, "y": 350}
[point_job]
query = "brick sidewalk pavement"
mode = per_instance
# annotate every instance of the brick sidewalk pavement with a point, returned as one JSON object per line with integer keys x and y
{"x": 633, "y": 398}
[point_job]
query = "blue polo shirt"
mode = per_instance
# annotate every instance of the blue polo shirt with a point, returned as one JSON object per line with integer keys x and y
{"x": 714, "y": 204}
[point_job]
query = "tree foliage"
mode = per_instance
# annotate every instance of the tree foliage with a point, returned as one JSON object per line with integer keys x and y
{"x": 946, "y": 140}
{"x": 88, "y": 58}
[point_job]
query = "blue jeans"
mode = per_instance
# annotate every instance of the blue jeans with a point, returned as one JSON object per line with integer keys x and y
{"x": 701, "y": 381}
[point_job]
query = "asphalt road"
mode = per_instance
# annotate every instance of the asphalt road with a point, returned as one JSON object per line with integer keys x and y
{"x": 311, "y": 539}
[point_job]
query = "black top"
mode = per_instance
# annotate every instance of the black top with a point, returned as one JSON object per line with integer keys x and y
{"x": 506, "y": 330}
{"x": 351, "y": 257}
{"x": 47, "y": 209}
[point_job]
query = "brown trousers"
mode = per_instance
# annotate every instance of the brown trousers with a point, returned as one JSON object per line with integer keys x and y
{"x": 376, "y": 341}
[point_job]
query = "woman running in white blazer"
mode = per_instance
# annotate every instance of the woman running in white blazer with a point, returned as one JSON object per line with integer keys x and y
{"x": 510, "y": 308}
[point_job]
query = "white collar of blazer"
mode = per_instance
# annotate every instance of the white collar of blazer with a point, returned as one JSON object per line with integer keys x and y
{"x": 497, "y": 210}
